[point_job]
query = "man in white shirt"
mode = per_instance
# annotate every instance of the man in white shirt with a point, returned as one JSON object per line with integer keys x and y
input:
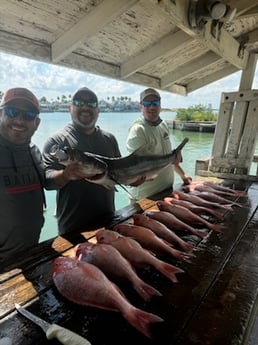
{"x": 152, "y": 133}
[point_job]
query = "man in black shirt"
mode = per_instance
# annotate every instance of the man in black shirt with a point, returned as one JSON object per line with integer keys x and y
{"x": 21, "y": 174}
{"x": 81, "y": 205}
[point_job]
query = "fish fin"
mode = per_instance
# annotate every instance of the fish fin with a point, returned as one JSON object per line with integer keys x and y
{"x": 146, "y": 291}
{"x": 124, "y": 188}
{"x": 141, "y": 320}
{"x": 168, "y": 270}
{"x": 143, "y": 150}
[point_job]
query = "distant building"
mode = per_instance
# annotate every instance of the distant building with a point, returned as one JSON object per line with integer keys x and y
{"x": 47, "y": 108}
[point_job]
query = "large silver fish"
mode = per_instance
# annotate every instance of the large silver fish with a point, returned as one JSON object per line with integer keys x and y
{"x": 90, "y": 165}
{"x": 129, "y": 169}
{"x": 108, "y": 171}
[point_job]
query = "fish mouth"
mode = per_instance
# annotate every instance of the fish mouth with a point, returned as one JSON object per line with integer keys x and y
{"x": 96, "y": 176}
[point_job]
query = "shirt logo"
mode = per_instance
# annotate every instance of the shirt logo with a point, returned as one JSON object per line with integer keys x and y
{"x": 166, "y": 135}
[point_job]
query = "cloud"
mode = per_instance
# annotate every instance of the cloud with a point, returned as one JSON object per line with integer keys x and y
{"x": 53, "y": 81}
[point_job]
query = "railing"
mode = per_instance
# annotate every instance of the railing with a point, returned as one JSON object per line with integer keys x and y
{"x": 235, "y": 137}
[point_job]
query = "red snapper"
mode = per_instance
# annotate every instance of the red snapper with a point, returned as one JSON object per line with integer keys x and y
{"x": 85, "y": 284}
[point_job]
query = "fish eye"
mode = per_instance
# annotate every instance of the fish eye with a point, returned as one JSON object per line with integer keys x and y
{"x": 56, "y": 148}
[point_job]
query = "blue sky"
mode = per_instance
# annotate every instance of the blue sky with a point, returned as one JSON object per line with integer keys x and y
{"x": 52, "y": 81}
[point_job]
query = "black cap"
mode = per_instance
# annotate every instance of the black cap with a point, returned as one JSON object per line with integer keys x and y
{"x": 85, "y": 90}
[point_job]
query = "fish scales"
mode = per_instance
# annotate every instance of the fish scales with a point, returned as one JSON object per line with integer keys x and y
{"x": 85, "y": 284}
{"x": 136, "y": 254}
{"x": 161, "y": 230}
{"x": 186, "y": 215}
{"x": 116, "y": 267}
{"x": 149, "y": 240}
{"x": 200, "y": 210}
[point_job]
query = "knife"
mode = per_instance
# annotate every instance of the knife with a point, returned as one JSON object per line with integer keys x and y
{"x": 64, "y": 335}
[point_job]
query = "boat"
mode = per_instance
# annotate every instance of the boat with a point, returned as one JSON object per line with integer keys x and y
{"x": 193, "y": 126}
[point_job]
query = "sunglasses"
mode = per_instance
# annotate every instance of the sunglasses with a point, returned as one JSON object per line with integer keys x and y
{"x": 82, "y": 102}
{"x": 149, "y": 103}
{"x": 27, "y": 115}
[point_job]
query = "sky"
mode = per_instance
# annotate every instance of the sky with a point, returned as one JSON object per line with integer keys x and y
{"x": 53, "y": 81}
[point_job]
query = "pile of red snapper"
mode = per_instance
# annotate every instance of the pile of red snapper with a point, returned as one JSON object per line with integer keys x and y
{"x": 92, "y": 277}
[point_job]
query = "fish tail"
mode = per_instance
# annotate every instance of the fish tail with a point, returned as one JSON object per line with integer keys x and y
{"x": 168, "y": 270}
{"x": 216, "y": 214}
{"x": 146, "y": 291}
{"x": 199, "y": 233}
{"x": 227, "y": 207}
{"x": 182, "y": 256}
{"x": 187, "y": 247}
{"x": 216, "y": 227}
{"x": 141, "y": 320}
{"x": 237, "y": 204}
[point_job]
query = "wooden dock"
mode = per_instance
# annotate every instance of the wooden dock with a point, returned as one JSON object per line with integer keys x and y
{"x": 214, "y": 302}
{"x": 193, "y": 126}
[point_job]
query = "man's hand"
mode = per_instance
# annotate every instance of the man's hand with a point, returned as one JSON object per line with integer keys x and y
{"x": 73, "y": 171}
{"x": 187, "y": 180}
{"x": 179, "y": 158}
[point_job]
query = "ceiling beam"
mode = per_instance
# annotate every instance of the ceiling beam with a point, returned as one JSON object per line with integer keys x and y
{"x": 252, "y": 36}
{"x": 89, "y": 25}
{"x": 94, "y": 66}
{"x": 251, "y": 12}
{"x": 88, "y": 64}
{"x": 223, "y": 44}
{"x": 188, "y": 69}
{"x": 169, "y": 44}
{"x": 245, "y": 6}
{"x": 178, "y": 89}
{"x": 215, "y": 38}
{"x": 198, "y": 83}
{"x": 147, "y": 81}
{"x": 24, "y": 47}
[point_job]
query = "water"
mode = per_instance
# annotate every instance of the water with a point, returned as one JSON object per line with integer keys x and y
{"x": 199, "y": 146}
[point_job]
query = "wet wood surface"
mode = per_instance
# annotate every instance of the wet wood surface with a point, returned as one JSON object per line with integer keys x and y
{"x": 213, "y": 303}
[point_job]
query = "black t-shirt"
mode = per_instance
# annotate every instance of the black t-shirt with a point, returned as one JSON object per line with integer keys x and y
{"x": 21, "y": 197}
{"x": 82, "y": 205}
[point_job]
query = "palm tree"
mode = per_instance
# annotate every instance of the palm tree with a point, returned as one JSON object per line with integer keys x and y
{"x": 43, "y": 100}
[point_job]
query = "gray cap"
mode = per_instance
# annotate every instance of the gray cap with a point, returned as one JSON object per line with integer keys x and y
{"x": 85, "y": 90}
{"x": 149, "y": 92}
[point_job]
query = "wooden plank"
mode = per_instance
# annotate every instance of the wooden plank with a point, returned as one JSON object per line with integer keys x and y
{"x": 247, "y": 77}
{"x": 189, "y": 69}
{"x": 222, "y": 44}
{"x": 170, "y": 44}
{"x": 233, "y": 297}
{"x": 230, "y": 163}
{"x": 197, "y": 83}
{"x": 89, "y": 25}
{"x": 240, "y": 115}
{"x": 228, "y": 176}
{"x": 248, "y": 142}
{"x": 238, "y": 122}
{"x": 239, "y": 96}
{"x": 222, "y": 129}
